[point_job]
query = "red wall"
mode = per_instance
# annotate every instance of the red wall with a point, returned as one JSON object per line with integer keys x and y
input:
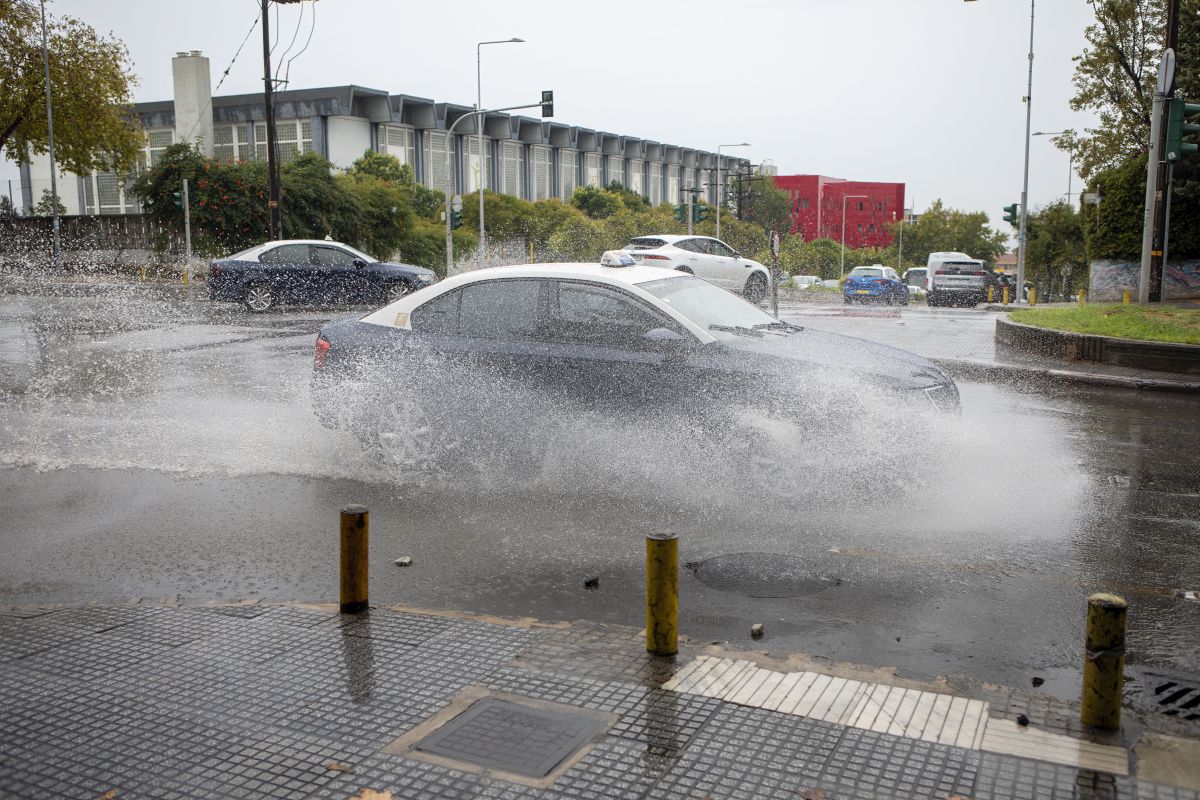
{"x": 817, "y": 208}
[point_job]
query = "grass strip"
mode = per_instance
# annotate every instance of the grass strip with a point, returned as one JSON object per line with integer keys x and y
{"x": 1147, "y": 323}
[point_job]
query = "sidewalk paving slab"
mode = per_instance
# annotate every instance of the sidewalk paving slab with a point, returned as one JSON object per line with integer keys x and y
{"x": 302, "y": 702}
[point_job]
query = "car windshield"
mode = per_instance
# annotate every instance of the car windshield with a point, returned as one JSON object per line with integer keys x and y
{"x": 357, "y": 253}
{"x": 707, "y": 305}
{"x": 644, "y": 243}
{"x": 866, "y": 272}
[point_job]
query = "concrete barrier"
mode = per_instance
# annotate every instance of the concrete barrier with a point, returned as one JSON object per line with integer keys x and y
{"x": 1158, "y": 356}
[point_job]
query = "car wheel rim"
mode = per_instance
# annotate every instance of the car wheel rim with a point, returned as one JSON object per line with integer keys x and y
{"x": 396, "y": 291}
{"x": 405, "y": 435}
{"x": 258, "y": 298}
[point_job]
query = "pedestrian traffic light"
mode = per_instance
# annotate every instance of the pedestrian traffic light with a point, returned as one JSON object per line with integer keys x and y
{"x": 178, "y": 198}
{"x": 548, "y": 103}
{"x": 681, "y": 212}
{"x": 1012, "y": 213}
{"x": 1177, "y": 129}
{"x": 699, "y": 212}
{"x": 455, "y": 219}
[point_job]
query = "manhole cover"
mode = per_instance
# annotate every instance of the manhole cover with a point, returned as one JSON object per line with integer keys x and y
{"x": 508, "y": 736}
{"x": 762, "y": 574}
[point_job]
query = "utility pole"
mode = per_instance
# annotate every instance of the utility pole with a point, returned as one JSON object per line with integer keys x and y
{"x": 274, "y": 215}
{"x": 58, "y": 267}
{"x": 187, "y": 227}
{"x": 1158, "y": 173}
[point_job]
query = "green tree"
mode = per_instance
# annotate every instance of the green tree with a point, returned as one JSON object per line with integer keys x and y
{"x": 941, "y": 229}
{"x": 1057, "y": 256}
{"x": 768, "y": 206}
{"x": 90, "y": 79}
{"x": 1115, "y": 78}
{"x": 387, "y": 215}
{"x": 45, "y": 206}
{"x": 596, "y": 202}
{"x": 7, "y": 209}
{"x": 373, "y": 164}
{"x": 426, "y": 202}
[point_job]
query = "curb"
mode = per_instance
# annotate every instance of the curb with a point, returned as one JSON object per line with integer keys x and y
{"x": 1159, "y": 356}
{"x": 1013, "y": 372}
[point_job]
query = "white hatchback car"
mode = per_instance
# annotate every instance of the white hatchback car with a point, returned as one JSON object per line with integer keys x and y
{"x": 704, "y": 257}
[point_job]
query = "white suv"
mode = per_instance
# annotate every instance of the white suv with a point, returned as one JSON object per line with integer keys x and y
{"x": 704, "y": 257}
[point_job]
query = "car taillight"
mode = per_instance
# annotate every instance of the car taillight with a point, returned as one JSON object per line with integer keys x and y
{"x": 656, "y": 258}
{"x": 214, "y": 271}
{"x": 882, "y": 281}
{"x": 321, "y": 352}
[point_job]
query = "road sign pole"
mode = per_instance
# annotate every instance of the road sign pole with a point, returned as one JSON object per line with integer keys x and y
{"x": 775, "y": 272}
{"x": 691, "y": 199}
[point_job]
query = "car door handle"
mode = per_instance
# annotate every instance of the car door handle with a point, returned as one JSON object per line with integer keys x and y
{"x": 691, "y": 258}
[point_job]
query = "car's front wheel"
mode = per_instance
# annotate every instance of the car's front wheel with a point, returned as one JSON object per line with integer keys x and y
{"x": 756, "y": 288}
{"x": 395, "y": 291}
{"x": 259, "y": 297}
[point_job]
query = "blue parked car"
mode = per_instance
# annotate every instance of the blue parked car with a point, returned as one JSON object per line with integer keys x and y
{"x": 310, "y": 271}
{"x": 874, "y": 284}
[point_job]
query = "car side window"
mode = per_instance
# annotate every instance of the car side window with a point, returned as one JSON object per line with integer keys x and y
{"x": 587, "y": 313}
{"x": 439, "y": 315}
{"x": 332, "y": 257}
{"x": 691, "y": 245}
{"x": 286, "y": 254}
{"x": 500, "y": 309}
{"x": 719, "y": 248}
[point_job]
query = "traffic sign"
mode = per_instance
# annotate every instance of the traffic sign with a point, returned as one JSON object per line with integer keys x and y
{"x": 456, "y": 203}
{"x": 775, "y": 245}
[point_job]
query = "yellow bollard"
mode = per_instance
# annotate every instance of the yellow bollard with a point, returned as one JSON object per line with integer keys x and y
{"x": 991, "y": 294}
{"x": 531, "y": 251}
{"x": 185, "y": 276}
{"x": 143, "y": 271}
{"x": 662, "y": 594}
{"x": 354, "y": 559}
{"x": 1082, "y": 294}
{"x": 1104, "y": 662}
{"x": 1004, "y": 294}
{"x": 1125, "y": 297}
{"x": 1033, "y": 295}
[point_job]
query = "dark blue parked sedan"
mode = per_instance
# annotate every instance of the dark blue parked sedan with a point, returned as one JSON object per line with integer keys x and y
{"x": 310, "y": 271}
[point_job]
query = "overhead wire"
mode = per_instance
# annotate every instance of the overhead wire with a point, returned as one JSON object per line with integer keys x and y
{"x": 224, "y": 75}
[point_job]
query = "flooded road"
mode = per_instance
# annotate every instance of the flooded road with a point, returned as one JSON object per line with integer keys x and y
{"x": 167, "y": 448}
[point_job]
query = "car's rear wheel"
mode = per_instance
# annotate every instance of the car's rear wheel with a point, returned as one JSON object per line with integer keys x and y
{"x": 686, "y": 270}
{"x": 756, "y": 288}
{"x": 395, "y": 291}
{"x": 259, "y": 298}
{"x": 404, "y": 435}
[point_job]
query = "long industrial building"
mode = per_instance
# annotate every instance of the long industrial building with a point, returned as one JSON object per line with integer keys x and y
{"x": 526, "y": 157}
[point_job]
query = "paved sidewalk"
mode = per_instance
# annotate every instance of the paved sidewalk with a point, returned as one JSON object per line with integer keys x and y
{"x": 300, "y": 702}
{"x": 963, "y": 341}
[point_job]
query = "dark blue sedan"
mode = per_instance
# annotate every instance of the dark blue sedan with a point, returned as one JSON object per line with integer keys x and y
{"x": 310, "y": 271}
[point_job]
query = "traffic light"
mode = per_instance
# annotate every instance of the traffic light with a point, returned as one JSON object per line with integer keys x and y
{"x": 548, "y": 103}
{"x": 1012, "y": 213}
{"x": 455, "y": 219}
{"x": 681, "y": 212}
{"x": 699, "y": 212}
{"x": 178, "y": 198}
{"x": 1177, "y": 129}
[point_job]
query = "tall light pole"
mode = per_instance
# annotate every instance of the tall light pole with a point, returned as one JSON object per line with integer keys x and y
{"x": 1021, "y": 238}
{"x": 846, "y": 197}
{"x": 720, "y": 193}
{"x": 1070, "y": 157}
{"x": 50, "y": 132}
{"x": 479, "y": 127}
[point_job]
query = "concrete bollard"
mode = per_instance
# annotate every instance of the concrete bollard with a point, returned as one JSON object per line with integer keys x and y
{"x": 1104, "y": 662}
{"x": 1125, "y": 297}
{"x": 662, "y": 594}
{"x": 354, "y": 559}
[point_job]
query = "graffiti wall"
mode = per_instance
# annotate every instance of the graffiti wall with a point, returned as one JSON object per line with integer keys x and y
{"x": 1181, "y": 280}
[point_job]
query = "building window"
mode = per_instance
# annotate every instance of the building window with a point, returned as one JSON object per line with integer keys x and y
{"x": 541, "y": 172}
{"x": 804, "y": 203}
{"x": 591, "y": 174}
{"x": 231, "y": 143}
{"x": 400, "y": 142}
{"x": 512, "y": 169}
{"x": 655, "y": 178}
{"x": 637, "y": 172}
{"x": 616, "y": 169}
{"x": 567, "y": 166}
{"x": 434, "y": 153}
{"x": 672, "y": 184}
{"x": 702, "y": 179}
{"x": 473, "y": 177}
{"x": 292, "y": 137}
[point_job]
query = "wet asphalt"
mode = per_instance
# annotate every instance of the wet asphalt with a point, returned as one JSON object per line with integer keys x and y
{"x": 166, "y": 448}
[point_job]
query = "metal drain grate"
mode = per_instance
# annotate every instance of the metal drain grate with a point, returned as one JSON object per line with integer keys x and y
{"x": 1176, "y": 698}
{"x": 513, "y": 737}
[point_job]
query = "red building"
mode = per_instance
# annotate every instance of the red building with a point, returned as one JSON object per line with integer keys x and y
{"x": 817, "y": 208}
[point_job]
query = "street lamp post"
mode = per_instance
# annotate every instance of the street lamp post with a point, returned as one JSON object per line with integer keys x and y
{"x": 50, "y": 133}
{"x": 845, "y": 197}
{"x": 479, "y": 128}
{"x": 720, "y": 197}
{"x": 1070, "y": 157}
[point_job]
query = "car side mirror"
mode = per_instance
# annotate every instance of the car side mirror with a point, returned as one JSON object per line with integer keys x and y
{"x": 359, "y": 263}
{"x": 664, "y": 338}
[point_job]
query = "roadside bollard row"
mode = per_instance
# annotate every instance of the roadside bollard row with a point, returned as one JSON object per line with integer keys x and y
{"x": 1104, "y": 645}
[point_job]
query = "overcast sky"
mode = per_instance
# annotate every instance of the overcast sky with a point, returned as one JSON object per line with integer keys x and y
{"x": 924, "y": 92}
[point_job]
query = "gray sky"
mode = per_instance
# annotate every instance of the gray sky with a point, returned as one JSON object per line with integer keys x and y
{"x": 926, "y": 92}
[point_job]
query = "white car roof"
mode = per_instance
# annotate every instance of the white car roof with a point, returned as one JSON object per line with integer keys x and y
{"x": 396, "y": 314}
{"x": 670, "y": 238}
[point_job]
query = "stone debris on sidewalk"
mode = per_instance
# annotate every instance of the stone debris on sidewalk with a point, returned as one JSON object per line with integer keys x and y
{"x": 254, "y": 701}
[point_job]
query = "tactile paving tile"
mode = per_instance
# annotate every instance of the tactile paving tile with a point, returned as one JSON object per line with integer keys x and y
{"x": 180, "y": 627}
{"x": 665, "y": 721}
{"x": 26, "y": 613}
{"x": 512, "y": 737}
{"x": 406, "y": 778}
{"x": 274, "y": 765}
{"x": 300, "y": 617}
{"x": 93, "y": 654}
{"x": 95, "y": 619}
{"x": 768, "y": 738}
{"x": 1156, "y": 791}
{"x": 614, "y": 770}
{"x": 411, "y": 629}
{"x": 257, "y": 641}
{"x": 697, "y": 777}
{"x": 1011, "y": 778}
{"x": 898, "y": 766}
{"x": 51, "y": 774}
{"x": 23, "y": 637}
{"x": 241, "y": 612}
{"x": 599, "y": 652}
